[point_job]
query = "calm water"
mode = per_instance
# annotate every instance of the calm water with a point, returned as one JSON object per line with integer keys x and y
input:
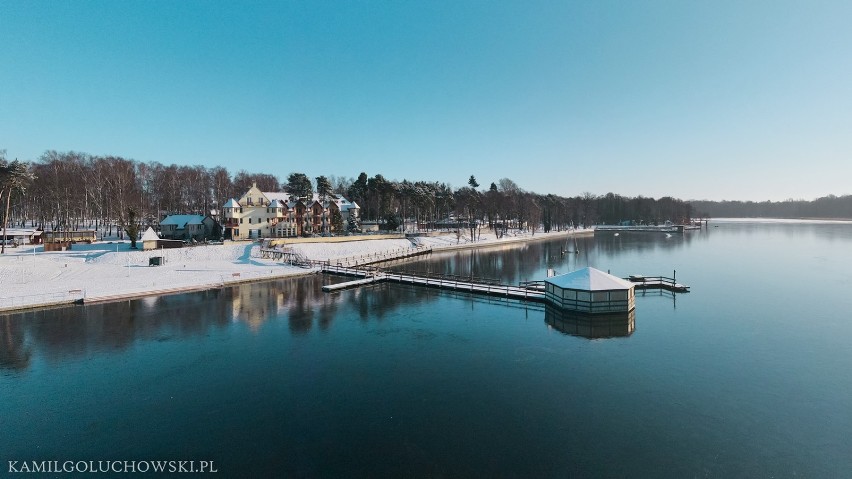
{"x": 749, "y": 375}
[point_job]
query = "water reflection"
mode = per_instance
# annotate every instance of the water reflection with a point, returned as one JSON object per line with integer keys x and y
{"x": 827, "y": 229}
{"x": 530, "y": 261}
{"x": 78, "y": 331}
{"x": 592, "y": 326}
{"x": 646, "y": 242}
{"x": 60, "y": 333}
{"x": 15, "y": 354}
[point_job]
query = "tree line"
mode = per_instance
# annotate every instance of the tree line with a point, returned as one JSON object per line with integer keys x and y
{"x": 830, "y": 206}
{"x": 72, "y": 190}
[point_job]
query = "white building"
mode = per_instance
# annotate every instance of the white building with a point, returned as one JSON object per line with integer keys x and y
{"x": 259, "y": 214}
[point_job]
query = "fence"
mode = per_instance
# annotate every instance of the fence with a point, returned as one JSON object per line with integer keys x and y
{"x": 381, "y": 256}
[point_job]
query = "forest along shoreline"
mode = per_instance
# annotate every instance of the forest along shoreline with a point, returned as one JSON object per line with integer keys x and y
{"x": 111, "y": 271}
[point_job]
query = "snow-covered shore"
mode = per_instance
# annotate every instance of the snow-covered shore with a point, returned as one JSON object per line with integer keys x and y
{"x": 107, "y": 271}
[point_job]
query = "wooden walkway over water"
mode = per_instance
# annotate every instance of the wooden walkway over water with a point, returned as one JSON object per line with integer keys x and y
{"x": 368, "y": 276}
{"x": 289, "y": 256}
{"x": 657, "y": 282}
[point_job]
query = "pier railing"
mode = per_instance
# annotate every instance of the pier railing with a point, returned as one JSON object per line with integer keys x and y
{"x": 444, "y": 281}
{"x": 536, "y": 285}
{"x": 461, "y": 283}
{"x": 453, "y": 277}
{"x": 382, "y": 256}
{"x": 657, "y": 282}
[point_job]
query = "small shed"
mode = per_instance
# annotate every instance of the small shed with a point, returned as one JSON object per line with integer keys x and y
{"x": 149, "y": 239}
{"x": 589, "y": 290}
{"x": 21, "y": 236}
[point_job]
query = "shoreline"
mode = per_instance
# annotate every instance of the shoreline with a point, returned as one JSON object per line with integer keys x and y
{"x": 248, "y": 271}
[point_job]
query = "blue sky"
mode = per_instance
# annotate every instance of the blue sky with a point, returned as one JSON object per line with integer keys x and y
{"x": 694, "y": 99}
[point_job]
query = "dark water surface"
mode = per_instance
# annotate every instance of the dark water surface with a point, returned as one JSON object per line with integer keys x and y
{"x": 749, "y": 375}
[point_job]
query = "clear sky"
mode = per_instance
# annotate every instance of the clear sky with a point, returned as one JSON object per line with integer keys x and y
{"x": 742, "y": 99}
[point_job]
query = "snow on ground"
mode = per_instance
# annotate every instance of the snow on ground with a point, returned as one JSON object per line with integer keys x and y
{"x": 111, "y": 269}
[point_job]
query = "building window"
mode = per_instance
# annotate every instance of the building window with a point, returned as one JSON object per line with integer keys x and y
{"x": 241, "y": 221}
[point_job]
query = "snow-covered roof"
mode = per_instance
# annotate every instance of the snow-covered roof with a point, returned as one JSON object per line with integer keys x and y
{"x": 589, "y": 279}
{"x": 346, "y": 205}
{"x": 21, "y": 232}
{"x": 150, "y": 235}
{"x": 289, "y": 201}
{"x": 182, "y": 220}
{"x": 286, "y": 199}
{"x": 277, "y": 195}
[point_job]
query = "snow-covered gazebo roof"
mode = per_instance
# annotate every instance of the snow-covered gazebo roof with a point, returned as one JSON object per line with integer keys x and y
{"x": 589, "y": 290}
{"x": 150, "y": 235}
{"x": 589, "y": 279}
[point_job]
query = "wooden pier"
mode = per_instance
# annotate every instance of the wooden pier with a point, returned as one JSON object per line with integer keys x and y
{"x": 368, "y": 276}
{"x": 524, "y": 291}
{"x": 352, "y": 284}
{"x": 657, "y": 282}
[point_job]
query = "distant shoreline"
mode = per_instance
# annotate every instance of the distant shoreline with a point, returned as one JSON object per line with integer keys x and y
{"x": 767, "y": 219}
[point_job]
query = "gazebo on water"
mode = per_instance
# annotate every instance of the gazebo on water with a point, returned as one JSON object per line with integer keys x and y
{"x": 589, "y": 290}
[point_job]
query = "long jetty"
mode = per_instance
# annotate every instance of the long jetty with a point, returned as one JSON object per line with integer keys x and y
{"x": 525, "y": 291}
{"x": 369, "y": 275}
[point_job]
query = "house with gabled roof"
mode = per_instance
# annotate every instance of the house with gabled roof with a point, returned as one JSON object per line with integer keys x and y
{"x": 276, "y": 214}
{"x": 186, "y": 227}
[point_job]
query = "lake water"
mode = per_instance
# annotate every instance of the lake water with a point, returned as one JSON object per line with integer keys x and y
{"x": 748, "y": 375}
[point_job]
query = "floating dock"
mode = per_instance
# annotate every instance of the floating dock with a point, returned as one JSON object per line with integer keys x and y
{"x": 657, "y": 282}
{"x": 352, "y": 284}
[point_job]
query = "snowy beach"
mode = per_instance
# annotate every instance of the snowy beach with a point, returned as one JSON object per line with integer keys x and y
{"x": 109, "y": 271}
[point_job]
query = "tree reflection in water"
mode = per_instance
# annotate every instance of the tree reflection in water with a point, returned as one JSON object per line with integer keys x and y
{"x": 75, "y": 331}
{"x": 15, "y": 354}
